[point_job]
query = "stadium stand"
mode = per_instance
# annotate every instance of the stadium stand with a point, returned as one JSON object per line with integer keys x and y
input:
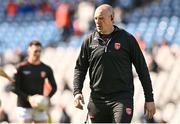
{"x": 157, "y": 22}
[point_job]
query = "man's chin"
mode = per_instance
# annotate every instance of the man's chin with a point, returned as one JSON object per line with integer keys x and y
{"x": 36, "y": 58}
{"x": 100, "y": 31}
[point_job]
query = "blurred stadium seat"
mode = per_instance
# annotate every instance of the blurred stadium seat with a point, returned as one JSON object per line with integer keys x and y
{"x": 156, "y": 21}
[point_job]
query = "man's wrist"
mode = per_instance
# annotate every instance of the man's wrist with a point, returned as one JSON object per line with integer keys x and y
{"x": 149, "y": 100}
{"x": 77, "y": 92}
{"x": 28, "y": 97}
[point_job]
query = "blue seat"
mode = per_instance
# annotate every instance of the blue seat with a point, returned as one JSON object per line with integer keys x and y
{"x": 131, "y": 27}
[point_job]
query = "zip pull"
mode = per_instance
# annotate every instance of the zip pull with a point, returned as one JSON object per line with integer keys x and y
{"x": 104, "y": 43}
{"x": 107, "y": 45}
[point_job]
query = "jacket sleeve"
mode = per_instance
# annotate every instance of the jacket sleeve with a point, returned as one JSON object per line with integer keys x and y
{"x": 81, "y": 68}
{"x": 52, "y": 82}
{"x": 18, "y": 80}
{"x": 139, "y": 62}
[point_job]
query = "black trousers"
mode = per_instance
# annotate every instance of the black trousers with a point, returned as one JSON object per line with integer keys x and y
{"x": 110, "y": 111}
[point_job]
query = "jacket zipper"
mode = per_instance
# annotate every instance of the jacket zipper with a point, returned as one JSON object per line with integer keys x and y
{"x": 106, "y": 45}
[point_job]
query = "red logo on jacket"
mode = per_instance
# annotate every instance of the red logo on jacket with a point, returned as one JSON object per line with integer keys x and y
{"x": 129, "y": 111}
{"x": 117, "y": 46}
{"x": 43, "y": 74}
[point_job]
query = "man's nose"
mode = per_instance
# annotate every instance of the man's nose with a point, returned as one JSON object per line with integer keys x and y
{"x": 98, "y": 21}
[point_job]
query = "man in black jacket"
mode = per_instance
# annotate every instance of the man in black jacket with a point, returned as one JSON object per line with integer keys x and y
{"x": 109, "y": 53}
{"x": 29, "y": 86}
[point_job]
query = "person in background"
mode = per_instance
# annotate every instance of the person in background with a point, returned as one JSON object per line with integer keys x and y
{"x": 29, "y": 84}
{"x": 11, "y": 8}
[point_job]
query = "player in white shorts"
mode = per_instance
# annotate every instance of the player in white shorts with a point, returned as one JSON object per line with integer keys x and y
{"x": 28, "y": 115}
{"x": 30, "y": 80}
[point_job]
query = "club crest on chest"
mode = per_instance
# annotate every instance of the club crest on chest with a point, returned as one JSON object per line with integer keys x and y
{"x": 117, "y": 46}
{"x": 43, "y": 74}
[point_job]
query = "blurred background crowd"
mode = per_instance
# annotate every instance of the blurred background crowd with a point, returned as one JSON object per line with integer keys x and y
{"x": 62, "y": 25}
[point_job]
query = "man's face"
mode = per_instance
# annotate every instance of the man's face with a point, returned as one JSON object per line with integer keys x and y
{"x": 34, "y": 52}
{"x": 103, "y": 21}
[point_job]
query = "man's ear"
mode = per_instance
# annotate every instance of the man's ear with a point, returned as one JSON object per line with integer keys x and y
{"x": 112, "y": 18}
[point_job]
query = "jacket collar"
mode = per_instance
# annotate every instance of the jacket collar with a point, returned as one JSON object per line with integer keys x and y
{"x": 97, "y": 34}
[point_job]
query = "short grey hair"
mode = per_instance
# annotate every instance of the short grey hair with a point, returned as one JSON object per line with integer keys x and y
{"x": 109, "y": 8}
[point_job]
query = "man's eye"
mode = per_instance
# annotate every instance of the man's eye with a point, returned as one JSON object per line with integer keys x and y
{"x": 100, "y": 18}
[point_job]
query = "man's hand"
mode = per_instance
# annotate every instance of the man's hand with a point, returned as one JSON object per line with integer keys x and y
{"x": 79, "y": 101}
{"x": 33, "y": 100}
{"x": 149, "y": 109}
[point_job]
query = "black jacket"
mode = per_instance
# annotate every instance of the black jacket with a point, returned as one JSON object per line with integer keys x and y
{"x": 110, "y": 66}
{"x": 30, "y": 80}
